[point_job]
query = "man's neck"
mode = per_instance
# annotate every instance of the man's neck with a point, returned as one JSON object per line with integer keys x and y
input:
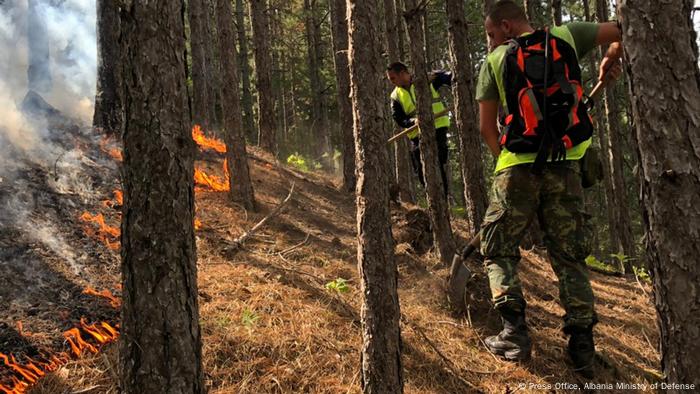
{"x": 521, "y": 29}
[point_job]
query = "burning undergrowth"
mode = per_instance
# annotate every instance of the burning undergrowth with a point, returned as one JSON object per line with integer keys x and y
{"x": 60, "y": 233}
{"x": 58, "y": 243}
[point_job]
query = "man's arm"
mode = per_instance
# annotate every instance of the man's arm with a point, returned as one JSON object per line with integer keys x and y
{"x": 610, "y": 33}
{"x": 397, "y": 112}
{"x": 488, "y": 116}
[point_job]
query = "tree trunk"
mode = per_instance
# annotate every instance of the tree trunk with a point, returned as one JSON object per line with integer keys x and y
{"x": 665, "y": 85}
{"x": 470, "y": 154}
{"x": 401, "y": 29}
{"x": 437, "y": 201}
{"x": 241, "y": 188}
{"x": 214, "y": 80}
{"x": 537, "y": 13}
{"x": 319, "y": 123}
{"x": 426, "y": 39}
{"x": 267, "y": 130}
{"x": 200, "y": 79}
{"x": 556, "y": 12}
{"x": 402, "y": 160}
{"x": 161, "y": 347}
{"x": 246, "y": 97}
{"x": 108, "y": 108}
{"x": 612, "y": 144}
{"x": 339, "y": 30}
{"x": 39, "y": 72}
{"x": 381, "y": 369}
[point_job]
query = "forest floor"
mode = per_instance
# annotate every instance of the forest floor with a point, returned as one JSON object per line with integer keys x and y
{"x": 270, "y": 320}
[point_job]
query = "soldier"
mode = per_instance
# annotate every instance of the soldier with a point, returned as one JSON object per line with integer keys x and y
{"x": 545, "y": 134}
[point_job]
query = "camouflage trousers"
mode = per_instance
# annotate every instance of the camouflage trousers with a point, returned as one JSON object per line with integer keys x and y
{"x": 556, "y": 198}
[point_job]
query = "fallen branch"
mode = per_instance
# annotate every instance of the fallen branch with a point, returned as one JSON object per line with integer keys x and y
{"x": 238, "y": 242}
{"x": 448, "y": 363}
{"x": 636, "y": 277}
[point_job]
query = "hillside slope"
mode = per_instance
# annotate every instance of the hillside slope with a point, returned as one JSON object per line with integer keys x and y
{"x": 271, "y": 324}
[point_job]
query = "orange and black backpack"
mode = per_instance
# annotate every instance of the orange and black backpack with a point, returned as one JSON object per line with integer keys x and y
{"x": 544, "y": 97}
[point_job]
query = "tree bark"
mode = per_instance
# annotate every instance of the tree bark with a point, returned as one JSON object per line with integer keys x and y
{"x": 612, "y": 143}
{"x": 339, "y": 30}
{"x": 665, "y": 87}
{"x": 426, "y": 40}
{"x": 214, "y": 79}
{"x": 437, "y": 201}
{"x": 381, "y": 370}
{"x": 240, "y": 186}
{"x": 532, "y": 9}
{"x": 470, "y": 154}
{"x": 108, "y": 108}
{"x": 556, "y": 12}
{"x": 244, "y": 66}
{"x": 160, "y": 349}
{"x": 401, "y": 29}
{"x": 200, "y": 80}
{"x": 267, "y": 130}
{"x": 403, "y": 174}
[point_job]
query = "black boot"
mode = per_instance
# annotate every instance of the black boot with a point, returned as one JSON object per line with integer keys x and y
{"x": 513, "y": 343}
{"x": 582, "y": 350}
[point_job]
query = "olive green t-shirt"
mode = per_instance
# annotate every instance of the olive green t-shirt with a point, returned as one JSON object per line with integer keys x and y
{"x": 580, "y": 35}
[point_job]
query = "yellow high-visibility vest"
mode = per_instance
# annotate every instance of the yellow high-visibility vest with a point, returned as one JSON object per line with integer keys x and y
{"x": 407, "y": 99}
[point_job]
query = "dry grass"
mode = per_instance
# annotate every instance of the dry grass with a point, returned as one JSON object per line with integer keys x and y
{"x": 269, "y": 324}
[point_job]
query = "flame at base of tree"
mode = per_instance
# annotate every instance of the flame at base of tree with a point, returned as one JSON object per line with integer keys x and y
{"x": 212, "y": 182}
{"x": 115, "y": 302}
{"x": 109, "y": 147}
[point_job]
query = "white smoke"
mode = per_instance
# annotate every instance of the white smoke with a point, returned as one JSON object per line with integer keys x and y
{"x": 71, "y": 30}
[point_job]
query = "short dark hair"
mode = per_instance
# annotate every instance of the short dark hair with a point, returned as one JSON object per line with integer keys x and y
{"x": 507, "y": 10}
{"x": 397, "y": 67}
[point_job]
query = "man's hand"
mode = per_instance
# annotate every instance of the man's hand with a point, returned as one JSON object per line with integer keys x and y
{"x": 610, "y": 66}
{"x": 610, "y": 69}
{"x": 488, "y": 115}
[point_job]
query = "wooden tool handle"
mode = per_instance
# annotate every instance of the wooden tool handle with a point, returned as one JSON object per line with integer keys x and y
{"x": 415, "y": 126}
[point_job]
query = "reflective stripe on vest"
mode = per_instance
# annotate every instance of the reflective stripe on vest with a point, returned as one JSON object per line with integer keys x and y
{"x": 408, "y": 103}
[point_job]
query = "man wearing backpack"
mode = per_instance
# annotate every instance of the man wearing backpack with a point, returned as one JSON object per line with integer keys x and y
{"x": 545, "y": 134}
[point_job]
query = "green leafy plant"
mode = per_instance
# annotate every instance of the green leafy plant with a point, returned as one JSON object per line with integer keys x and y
{"x": 642, "y": 273}
{"x": 458, "y": 211}
{"x": 300, "y": 162}
{"x": 339, "y": 285}
{"x": 249, "y": 318}
{"x": 621, "y": 258}
{"x": 593, "y": 262}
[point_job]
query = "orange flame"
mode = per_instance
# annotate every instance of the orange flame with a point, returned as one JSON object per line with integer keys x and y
{"x": 211, "y": 181}
{"x": 114, "y": 152}
{"x": 206, "y": 142}
{"x": 76, "y": 342}
{"x": 117, "y": 201}
{"x": 115, "y": 302}
{"x": 107, "y": 234}
{"x": 102, "y": 334}
{"x": 197, "y": 224}
{"x": 20, "y": 329}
